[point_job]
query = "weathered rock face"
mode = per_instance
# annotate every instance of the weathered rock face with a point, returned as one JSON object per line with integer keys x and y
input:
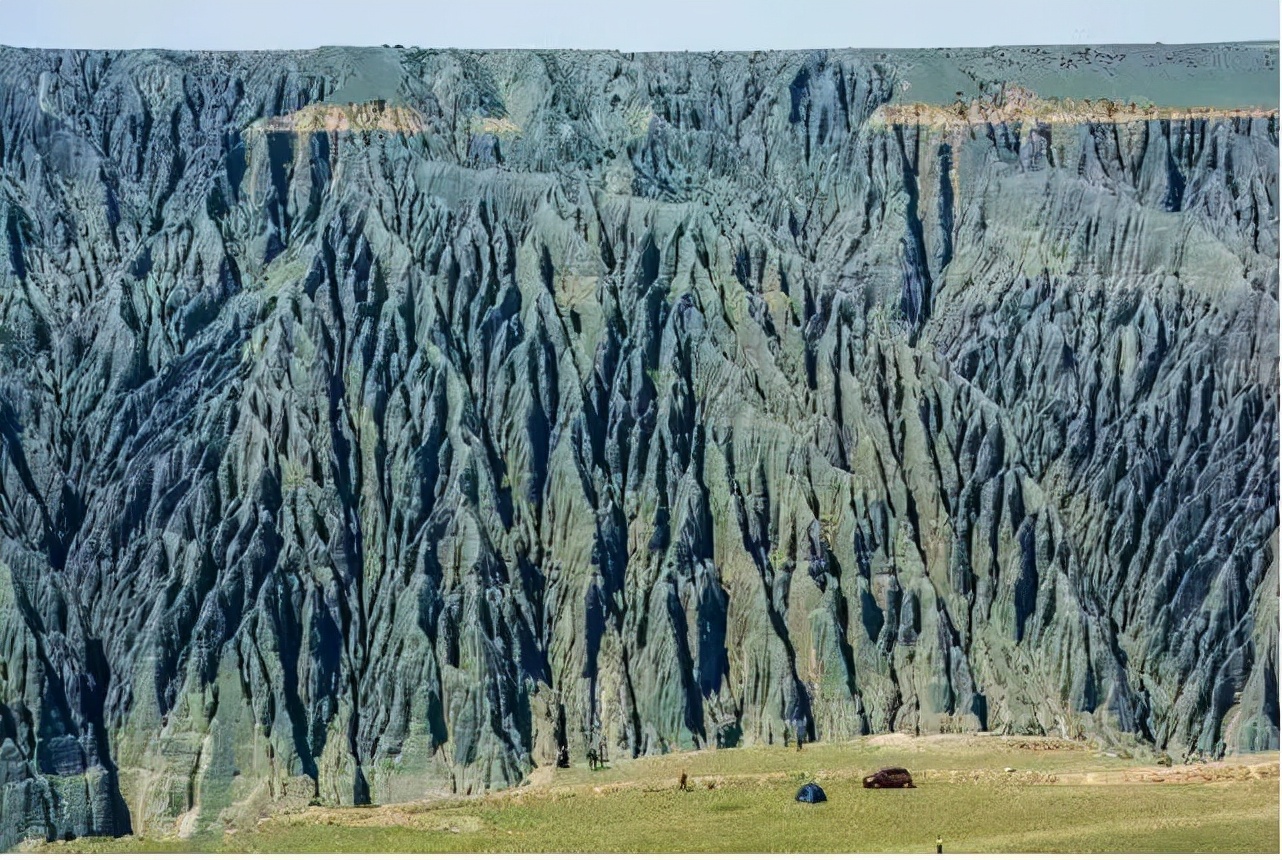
{"x": 669, "y": 400}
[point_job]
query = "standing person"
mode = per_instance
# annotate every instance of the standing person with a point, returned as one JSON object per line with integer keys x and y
{"x": 939, "y": 845}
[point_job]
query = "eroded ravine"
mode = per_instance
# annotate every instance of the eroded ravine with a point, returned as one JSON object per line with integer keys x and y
{"x": 357, "y": 447}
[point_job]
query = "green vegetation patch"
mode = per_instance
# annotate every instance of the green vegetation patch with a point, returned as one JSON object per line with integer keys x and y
{"x": 1071, "y": 798}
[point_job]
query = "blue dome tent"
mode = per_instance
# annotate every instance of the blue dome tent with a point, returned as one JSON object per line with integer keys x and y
{"x": 811, "y": 793}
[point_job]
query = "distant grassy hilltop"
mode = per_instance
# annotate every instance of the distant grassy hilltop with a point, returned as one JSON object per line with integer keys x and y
{"x": 1220, "y": 75}
{"x": 1225, "y": 75}
{"x": 978, "y": 794}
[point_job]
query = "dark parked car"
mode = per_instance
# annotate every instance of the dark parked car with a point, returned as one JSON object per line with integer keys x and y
{"x": 890, "y": 777}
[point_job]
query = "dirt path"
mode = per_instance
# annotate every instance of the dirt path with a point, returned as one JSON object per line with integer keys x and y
{"x": 1220, "y": 771}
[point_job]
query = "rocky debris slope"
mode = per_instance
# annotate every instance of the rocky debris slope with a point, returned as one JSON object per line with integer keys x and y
{"x": 519, "y": 399}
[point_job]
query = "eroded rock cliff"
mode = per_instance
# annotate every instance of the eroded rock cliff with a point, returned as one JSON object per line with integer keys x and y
{"x": 375, "y": 421}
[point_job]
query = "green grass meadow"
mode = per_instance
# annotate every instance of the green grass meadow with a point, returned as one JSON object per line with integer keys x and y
{"x": 742, "y": 801}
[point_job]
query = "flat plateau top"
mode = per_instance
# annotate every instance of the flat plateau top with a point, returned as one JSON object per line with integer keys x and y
{"x": 1223, "y": 75}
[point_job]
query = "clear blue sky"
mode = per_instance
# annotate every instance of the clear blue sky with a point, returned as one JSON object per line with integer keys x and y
{"x": 630, "y": 25}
